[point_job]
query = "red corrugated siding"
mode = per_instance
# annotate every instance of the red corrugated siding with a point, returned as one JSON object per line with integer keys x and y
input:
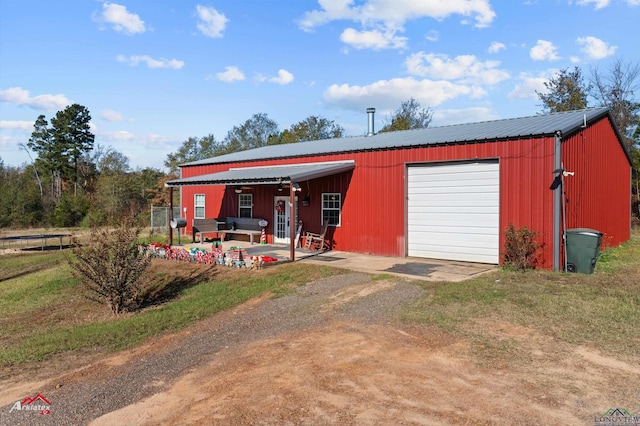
{"x": 599, "y": 193}
{"x": 373, "y": 212}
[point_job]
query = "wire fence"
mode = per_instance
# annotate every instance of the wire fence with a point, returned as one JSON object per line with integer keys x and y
{"x": 160, "y": 218}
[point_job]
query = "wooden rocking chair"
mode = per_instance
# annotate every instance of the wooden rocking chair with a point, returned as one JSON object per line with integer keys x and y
{"x": 317, "y": 242}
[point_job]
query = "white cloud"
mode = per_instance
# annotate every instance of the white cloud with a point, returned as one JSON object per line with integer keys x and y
{"x": 466, "y": 68}
{"x": 212, "y": 23}
{"x": 446, "y": 117}
{"x": 544, "y": 50}
{"x": 393, "y": 13}
{"x": 230, "y": 74}
{"x": 374, "y": 39}
{"x": 120, "y": 19}
{"x": 18, "y": 96}
{"x": 596, "y": 48}
{"x": 381, "y": 20}
{"x": 433, "y": 35}
{"x": 388, "y": 94}
{"x": 151, "y": 62}
{"x": 284, "y": 77}
{"x": 529, "y": 85}
{"x": 496, "y": 46}
{"x": 599, "y": 4}
{"x": 23, "y": 126}
{"x": 112, "y": 116}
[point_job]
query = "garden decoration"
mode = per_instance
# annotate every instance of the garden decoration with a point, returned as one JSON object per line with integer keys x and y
{"x": 234, "y": 257}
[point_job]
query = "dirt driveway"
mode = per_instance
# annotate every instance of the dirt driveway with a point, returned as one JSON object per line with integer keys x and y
{"x": 332, "y": 353}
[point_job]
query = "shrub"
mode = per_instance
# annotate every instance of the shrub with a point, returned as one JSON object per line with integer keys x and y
{"x": 111, "y": 265}
{"x": 520, "y": 248}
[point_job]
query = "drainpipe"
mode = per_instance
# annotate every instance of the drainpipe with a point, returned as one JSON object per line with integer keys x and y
{"x": 557, "y": 201}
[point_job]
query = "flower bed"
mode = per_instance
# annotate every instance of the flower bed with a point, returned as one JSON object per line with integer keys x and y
{"x": 234, "y": 257}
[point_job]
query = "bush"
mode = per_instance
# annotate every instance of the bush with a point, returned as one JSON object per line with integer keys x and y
{"x": 520, "y": 248}
{"x": 111, "y": 266}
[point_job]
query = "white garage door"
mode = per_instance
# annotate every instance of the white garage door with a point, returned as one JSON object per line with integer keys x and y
{"x": 454, "y": 211}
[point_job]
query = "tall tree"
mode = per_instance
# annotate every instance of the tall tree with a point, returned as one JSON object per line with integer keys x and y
{"x": 566, "y": 91}
{"x": 616, "y": 90}
{"x": 112, "y": 162}
{"x": 72, "y": 134}
{"x": 410, "y": 115}
{"x": 61, "y": 146}
{"x": 50, "y": 156}
{"x": 253, "y": 133}
{"x": 194, "y": 149}
{"x": 311, "y": 128}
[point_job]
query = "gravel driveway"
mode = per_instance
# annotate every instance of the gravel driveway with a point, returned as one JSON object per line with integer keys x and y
{"x": 103, "y": 387}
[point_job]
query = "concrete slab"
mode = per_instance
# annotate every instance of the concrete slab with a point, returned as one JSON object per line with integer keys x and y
{"x": 408, "y": 267}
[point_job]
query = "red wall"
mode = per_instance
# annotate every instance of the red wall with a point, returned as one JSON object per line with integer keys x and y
{"x": 599, "y": 194}
{"x": 374, "y": 194}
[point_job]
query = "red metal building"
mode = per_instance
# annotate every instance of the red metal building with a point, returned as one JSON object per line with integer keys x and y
{"x": 443, "y": 192}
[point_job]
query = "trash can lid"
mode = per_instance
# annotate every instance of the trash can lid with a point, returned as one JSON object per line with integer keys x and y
{"x": 586, "y": 231}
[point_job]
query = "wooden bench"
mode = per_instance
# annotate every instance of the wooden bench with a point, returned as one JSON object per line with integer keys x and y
{"x": 244, "y": 226}
{"x": 203, "y": 227}
{"x": 222, "y": 227}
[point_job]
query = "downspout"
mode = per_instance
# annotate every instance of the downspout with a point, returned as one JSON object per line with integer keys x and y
{"x": 557, "y": 201}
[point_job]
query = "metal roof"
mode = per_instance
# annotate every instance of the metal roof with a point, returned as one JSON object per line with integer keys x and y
{"x": 268, "y": 174}
{"x": 511, "y": 128}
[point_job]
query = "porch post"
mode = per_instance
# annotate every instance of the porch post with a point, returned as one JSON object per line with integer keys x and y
{"x": 292, "y": 222}
{"x": 170, "y": 215}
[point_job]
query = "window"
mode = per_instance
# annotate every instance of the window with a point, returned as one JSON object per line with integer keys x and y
{"x": 331, "y": 205}
{"x": 199, "y": 206}
{"x": 245, "y": 201}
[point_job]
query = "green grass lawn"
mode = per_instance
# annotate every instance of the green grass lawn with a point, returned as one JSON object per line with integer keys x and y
{"x": 44, "y": 311}
{"x": 601, "y": 310}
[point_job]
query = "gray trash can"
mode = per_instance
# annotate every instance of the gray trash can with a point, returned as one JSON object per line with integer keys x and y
{"x": 583, "y": 249}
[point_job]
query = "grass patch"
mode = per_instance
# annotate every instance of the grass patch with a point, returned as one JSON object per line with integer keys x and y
{"x": 45, "y": 313}
{"x": 601, "y": 310}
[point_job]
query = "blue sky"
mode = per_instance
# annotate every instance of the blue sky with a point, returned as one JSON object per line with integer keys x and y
{"x": 154, "y": 73}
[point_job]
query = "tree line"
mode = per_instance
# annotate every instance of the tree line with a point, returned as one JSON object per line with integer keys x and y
{"x": 74, "y": 182}
{"x": 71, "y": 181}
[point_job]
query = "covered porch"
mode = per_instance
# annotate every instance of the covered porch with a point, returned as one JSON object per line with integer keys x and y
{"x": 285, "y": 196}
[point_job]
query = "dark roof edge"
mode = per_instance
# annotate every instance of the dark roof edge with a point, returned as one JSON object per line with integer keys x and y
{"x": 386, "y": 148}
{"x": 606, "y": 112}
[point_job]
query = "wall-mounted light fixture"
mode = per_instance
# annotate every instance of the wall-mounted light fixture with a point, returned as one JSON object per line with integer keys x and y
{"x": 296, "y": 187}
{"x": 238, "y": 190}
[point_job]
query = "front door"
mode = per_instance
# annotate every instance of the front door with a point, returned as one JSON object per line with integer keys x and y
{"x": 281, "y": 219}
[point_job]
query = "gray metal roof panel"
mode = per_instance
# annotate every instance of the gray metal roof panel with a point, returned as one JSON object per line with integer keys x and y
{"x": 268, "y": 174}
{"x": 511, "y": 128}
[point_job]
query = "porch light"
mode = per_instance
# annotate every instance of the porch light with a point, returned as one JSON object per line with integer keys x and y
{"x": 238, "y": 190}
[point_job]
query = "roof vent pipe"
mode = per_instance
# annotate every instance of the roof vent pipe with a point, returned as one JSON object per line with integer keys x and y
{"x": 370, "y": 112}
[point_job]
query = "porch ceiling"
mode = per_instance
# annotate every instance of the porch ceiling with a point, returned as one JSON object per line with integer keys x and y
{"x": 268, "y": 175}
